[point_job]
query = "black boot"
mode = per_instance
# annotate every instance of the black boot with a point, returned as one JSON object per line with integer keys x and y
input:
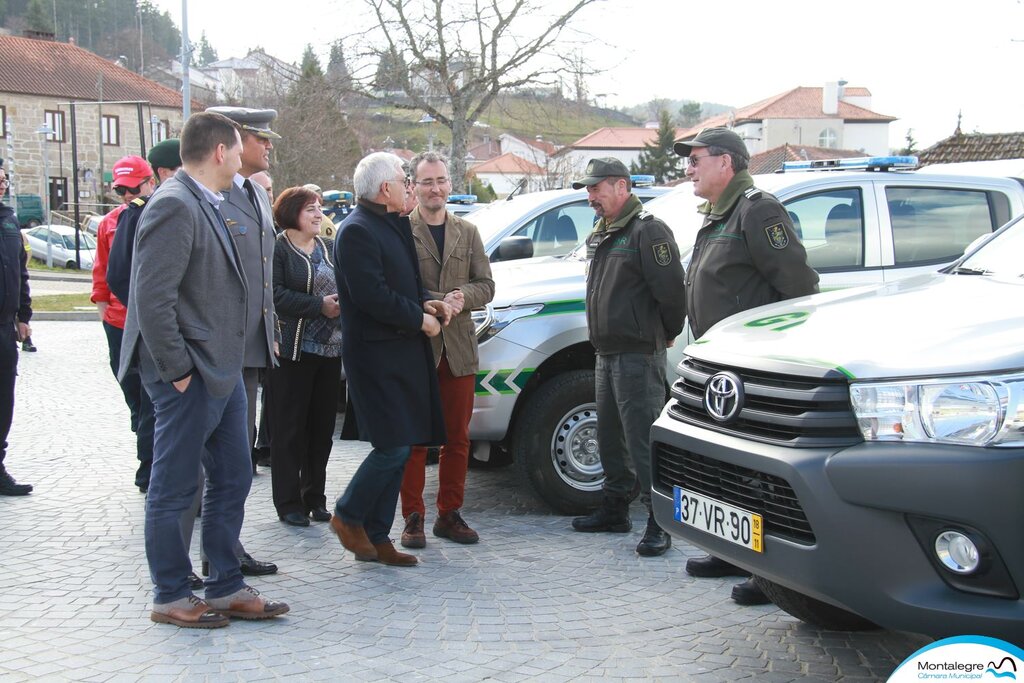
{"x": 613, "y": 515}
{"x": 9, "y": 487}
{"x": 655, "y": 541}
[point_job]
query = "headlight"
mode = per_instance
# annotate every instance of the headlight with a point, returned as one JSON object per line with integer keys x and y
{"x": 494, "y": 320}
{"x": 972, "y": 411}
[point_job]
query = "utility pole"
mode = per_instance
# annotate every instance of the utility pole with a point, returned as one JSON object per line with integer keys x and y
{"x": 186, "y": 96}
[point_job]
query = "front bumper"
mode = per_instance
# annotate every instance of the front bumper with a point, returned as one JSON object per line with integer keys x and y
{"x": 863, "y": 504}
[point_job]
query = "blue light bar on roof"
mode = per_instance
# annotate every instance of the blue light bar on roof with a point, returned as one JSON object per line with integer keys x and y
{"x": 641, "y": 180}
{"x": 852, "y": 164}
{"x": 462, "y": 199}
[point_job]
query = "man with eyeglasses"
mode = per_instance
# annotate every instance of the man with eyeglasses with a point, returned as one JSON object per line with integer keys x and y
{"x": 15, "y": 313}
{"x": 745, "y": 255}
{"x": 133, "y": 182}
{"x": 634, "y": 313}
{"x": 454, "y": 267}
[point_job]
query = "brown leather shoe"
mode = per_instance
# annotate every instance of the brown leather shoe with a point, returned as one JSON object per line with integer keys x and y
{"x": 386, "y": 554}
{"x": 188, "y": 612}
{"x": 353, "y": 537}
{"x": 413, "y": 536}
{"x": 247, "y": 603}
{"x": 450, "y": 525}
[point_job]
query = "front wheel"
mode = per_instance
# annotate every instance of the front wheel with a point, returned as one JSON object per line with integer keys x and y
{"x": 554, "y": 443}
{"x": 812, "y": 611}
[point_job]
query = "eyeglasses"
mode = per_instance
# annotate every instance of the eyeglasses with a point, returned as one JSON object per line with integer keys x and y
{"x": 4, "y": 181}
{"x": 121, "y": 191}
{"x": 431, "y": 183}
{"x": 695, "y": 161}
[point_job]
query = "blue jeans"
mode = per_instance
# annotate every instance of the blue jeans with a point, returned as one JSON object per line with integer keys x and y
{"x": 630, "y": 390}
{"x": 194, "y": 428}
{"x": 372, "y": 494}
{"x": 139, "y": 405}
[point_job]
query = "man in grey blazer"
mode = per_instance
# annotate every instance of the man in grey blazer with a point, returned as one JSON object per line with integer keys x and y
{"x": 185, "y": 330}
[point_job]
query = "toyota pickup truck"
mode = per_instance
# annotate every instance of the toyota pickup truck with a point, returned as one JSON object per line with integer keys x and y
{"x": 861, "y": 452}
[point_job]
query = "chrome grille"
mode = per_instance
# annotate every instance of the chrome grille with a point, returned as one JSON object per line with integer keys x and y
{"x": 765, "y": 494}
{"x": 781, "y": 409}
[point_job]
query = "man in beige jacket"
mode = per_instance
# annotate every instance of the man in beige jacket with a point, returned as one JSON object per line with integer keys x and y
{"x": 453, "y": 267}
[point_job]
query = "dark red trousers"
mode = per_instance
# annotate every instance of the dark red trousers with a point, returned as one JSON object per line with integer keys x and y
{"x": 457, "y": 403}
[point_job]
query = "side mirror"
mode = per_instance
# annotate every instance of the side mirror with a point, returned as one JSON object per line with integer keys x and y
{"x": 513, "y": 249}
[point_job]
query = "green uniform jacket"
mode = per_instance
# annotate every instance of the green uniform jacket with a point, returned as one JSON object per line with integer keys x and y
{"x": 634, "y": 284}
{"x": 746, "y": 255}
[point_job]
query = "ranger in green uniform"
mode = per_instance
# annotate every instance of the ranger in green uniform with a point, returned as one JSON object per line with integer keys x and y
{"x": 746, "y": 254}
{"x": 634, "y": 312}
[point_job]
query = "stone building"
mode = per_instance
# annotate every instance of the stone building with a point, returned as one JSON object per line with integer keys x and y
{"x": 97, "y": 111}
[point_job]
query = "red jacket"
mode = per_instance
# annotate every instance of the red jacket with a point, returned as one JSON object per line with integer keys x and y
{"x": 116, "y": 311}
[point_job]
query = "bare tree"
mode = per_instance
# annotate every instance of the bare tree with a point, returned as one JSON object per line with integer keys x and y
{"x": 461, "y": 56}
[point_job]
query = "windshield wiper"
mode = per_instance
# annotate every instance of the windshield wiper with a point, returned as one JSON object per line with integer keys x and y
{"x": 964, "y": 270}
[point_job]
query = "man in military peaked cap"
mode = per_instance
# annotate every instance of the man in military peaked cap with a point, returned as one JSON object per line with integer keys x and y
{"x": 746, "y": 254}
{"x": 634, "y": 312}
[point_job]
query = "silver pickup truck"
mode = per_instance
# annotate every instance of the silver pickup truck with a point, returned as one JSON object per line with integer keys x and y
{"x": 862, "y": 451}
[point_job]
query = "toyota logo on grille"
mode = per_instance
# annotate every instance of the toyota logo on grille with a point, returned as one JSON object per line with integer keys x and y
{"x": 723, "y": 396}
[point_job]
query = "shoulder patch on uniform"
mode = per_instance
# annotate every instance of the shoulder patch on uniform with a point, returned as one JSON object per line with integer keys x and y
{"x": 138, "y": 201}
{"x": 752, "y": 193}
{"x": 645, "y": 215}
{"x": 662, "y": 253}
{"x": 777, "y": 236}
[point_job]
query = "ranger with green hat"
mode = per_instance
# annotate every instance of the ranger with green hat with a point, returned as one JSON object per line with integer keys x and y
{"x": 634, "y": 312}
{"x": 746, "y": 254}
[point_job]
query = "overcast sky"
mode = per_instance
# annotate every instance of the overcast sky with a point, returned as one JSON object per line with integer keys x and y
{"x": 923, "y": 60}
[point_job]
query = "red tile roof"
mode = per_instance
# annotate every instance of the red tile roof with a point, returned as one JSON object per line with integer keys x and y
{"x": 508, "y": 164}
{"x": 798, "y": 103}
{"x": 619, "y": 138}
{"x": 64, "y": 70}
{"x": 771, "y": 160}
{"x": 484, "y": 150}
{"x": 974, "y": 147}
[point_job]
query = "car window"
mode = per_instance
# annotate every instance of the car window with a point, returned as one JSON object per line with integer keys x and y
{"x": 557, "y": 231}
{"x": 831, "y": 226}
{"x": 936, "y": 224}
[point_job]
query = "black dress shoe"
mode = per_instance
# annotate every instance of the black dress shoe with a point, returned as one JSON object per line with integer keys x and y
{"x": 9, "y": 487}
{"x": 194, "y": 582}
{"x": 747, "y": 593}
{"x": 320, "y": 515}
{"x": 655, "y": 541}
{"x": 709, "y": 567}
{"x": 251, "y": 567}
{"x": 295, "y": 519}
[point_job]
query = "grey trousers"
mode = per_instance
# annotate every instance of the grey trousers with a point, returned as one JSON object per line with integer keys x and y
{"x": 630, "y": 391}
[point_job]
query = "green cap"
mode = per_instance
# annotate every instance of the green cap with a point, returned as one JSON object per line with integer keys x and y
{"x": 165, "y": 154}
{"x": 714, "y": 137}
{"x": 599, "y": 169}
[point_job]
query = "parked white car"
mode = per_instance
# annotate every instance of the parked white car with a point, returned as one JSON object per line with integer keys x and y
{"x": 61, "y": 241}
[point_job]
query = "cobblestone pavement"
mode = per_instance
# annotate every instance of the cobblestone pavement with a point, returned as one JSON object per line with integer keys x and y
{"x": 531, "y": 601}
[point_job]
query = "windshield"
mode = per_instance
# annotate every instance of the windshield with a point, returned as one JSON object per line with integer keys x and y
{"x": 86, "y": 241}
{"x": 1002, "y": 255}
{"x": 493, "y": 218}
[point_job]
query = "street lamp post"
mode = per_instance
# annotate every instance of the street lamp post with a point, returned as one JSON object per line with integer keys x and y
{"x": 43, "y": 131}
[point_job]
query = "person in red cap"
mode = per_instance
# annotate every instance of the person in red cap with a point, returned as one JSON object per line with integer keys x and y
{"x": 133, "y": 178}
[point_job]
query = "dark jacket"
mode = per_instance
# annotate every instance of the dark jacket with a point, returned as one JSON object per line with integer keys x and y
{"x": 15, "y": 301}
{"x": 119, "y": 261}
{"x": 293, "y": 284}
{"x": 746, "y": 254}
{"x": 388, "y": 362}
{"x": 634, "y": 284}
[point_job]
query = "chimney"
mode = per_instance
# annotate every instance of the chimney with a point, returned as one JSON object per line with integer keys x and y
{"x": 830, "y": 98}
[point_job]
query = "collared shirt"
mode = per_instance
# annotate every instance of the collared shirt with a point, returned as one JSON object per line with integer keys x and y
{"x": 213, "y": 197}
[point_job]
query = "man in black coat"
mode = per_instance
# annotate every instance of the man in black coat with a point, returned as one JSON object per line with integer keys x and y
{"x": 15, "y": 312}
{"x": 386, "y": 317}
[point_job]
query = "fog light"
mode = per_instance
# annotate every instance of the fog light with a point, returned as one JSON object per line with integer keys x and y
{"x": 957, "y": 552}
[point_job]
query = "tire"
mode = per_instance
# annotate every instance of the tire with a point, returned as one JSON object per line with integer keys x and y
{"x": 71, "y": 265}
{"x": 32, "y": 223}
{"x": 554, "y": 443}
{"x": 812, "y": 611}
